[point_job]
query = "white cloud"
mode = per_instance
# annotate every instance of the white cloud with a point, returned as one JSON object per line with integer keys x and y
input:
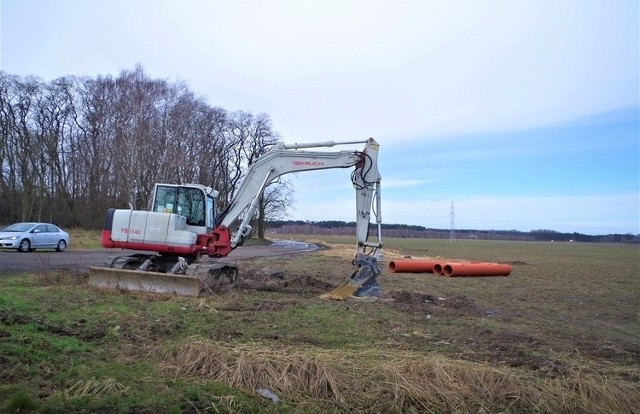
{"x": 344, "y": 70}
{"x": 406, "y": 72}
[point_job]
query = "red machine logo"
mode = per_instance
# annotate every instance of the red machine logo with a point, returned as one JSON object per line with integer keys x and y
{"x": 308, "y": 163}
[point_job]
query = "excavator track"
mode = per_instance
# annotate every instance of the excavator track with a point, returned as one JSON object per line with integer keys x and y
{"x": 125, "y": 273}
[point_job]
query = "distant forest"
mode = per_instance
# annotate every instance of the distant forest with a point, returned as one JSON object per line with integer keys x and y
{"x": 412, "y": 231}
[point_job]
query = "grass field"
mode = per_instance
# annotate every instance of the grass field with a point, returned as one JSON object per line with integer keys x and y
{"x": 560, "y": 334}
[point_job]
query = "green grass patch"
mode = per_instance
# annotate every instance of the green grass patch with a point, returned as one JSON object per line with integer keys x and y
{"x": 557, "y": 335}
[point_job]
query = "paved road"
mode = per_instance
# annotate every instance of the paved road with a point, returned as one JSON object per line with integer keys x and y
{"x": 12, "y": 262}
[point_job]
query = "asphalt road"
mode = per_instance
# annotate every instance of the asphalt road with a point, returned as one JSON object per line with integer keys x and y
{"x": 80, "y": 260}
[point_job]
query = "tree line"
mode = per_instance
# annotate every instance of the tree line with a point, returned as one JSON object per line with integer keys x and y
{"x": 73, "y": 147}
{"x": 343, "y": 228}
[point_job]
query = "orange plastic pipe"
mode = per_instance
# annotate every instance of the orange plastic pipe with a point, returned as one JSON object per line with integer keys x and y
{"x": 438, "y": 267}
{"x": 476, "y": 269}
{"x": 411, "y": 266}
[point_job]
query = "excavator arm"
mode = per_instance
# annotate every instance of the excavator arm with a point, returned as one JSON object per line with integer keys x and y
{"x": 233, "y": 224}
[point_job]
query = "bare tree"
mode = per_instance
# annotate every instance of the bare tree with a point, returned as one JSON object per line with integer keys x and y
{"x": 9, "y": 98}
{"x": 274, "y": 204}
{"x": 91, "y": 156}
{"x": 52, "y": 123}
{"x": 73, "y": 147}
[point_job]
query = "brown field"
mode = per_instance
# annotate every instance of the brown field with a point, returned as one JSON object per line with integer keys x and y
{"x": 560, "y": 334}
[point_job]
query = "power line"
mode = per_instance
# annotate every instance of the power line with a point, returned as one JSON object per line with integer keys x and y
{"x": 452, "y": 226}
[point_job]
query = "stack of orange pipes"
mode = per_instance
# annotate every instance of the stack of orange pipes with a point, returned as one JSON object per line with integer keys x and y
{"x": 449, "y": 268}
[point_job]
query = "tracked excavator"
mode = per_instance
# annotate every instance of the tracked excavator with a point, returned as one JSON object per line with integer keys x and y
{"x": 182, "y": 228}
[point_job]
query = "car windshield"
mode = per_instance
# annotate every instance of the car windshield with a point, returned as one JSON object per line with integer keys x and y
{"x": 18, "y": 227}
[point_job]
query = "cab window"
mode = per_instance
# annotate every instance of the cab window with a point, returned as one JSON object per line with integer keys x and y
{"x": 165, "y": 199}
{"x": 210, "y": 211}
{"x": 191, "y": 204}
{"x": 185, "y": 201}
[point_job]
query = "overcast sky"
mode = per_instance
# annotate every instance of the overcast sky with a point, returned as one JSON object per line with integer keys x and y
{"x": 524, "y": 114}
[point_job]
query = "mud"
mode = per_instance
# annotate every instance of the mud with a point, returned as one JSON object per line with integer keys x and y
{"x": 515, "y": 349}
{"x": 278, "y": 281}
{"x": 425, "y": 304}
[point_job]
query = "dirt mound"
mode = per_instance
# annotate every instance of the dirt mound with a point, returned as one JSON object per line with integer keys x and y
{"x": 278, "y": 281}
{"x": 516, "y": 349}
{"x": 420, "y": 303}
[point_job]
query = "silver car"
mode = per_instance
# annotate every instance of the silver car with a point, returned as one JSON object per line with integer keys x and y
{"x": 26, "y": 237}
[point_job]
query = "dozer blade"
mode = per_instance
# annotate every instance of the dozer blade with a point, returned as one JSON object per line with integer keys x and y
{"x": 200, "y": 279}
{"x": 362, "y": 284}
{"x": 141, "y": 281}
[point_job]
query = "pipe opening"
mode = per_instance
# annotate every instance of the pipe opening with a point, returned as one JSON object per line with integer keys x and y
{"x": 392, "y": 266}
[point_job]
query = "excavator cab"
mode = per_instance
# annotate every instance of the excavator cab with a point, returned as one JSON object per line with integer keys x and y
{"x": 195, "y": 202}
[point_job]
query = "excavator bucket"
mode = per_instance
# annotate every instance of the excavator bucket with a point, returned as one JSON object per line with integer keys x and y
{"x": 362, "y": 284}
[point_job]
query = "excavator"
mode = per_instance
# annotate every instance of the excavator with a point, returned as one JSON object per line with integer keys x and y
{"x": 174, "y": 238}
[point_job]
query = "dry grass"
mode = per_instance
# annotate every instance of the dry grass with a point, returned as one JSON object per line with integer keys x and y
{"x": 557, "y": 336}
{"x": 94, "y": 387}
{"x": 84, "y": 239}
{"x": 368, "y": 381}
{"x": 58, "y": 278}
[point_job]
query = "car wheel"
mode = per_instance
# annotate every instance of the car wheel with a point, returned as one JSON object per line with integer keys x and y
{"x": 25, "y": 246}
{"x": 61, "y": 246}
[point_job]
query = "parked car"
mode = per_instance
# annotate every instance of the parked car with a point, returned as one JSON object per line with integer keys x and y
{"x": 26, "y": 237}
